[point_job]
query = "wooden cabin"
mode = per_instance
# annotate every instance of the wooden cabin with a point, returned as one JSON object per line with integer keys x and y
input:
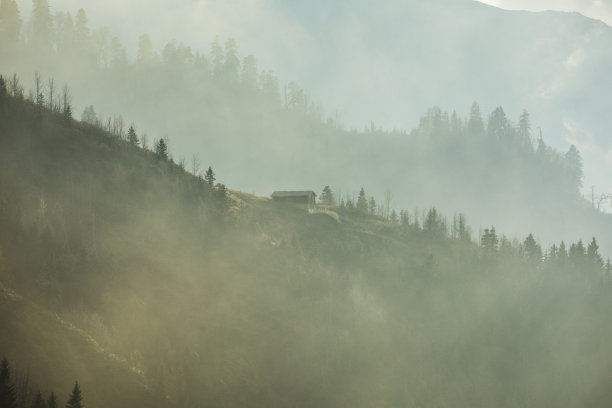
{"x": 300, "y": 199}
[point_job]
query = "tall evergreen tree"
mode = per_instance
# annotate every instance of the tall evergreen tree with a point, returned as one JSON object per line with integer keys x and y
{"x": 209, "y": 177}
{"x": 327, "y": 196}
{"x": 38, "y": 401}
{"x": 76, "y": 399}
{"x": 8, "y": 396}
{"x": 10, "y": 23}
{"x": 497, "y": 125}
{"x": 52, "y": 401}
{"x": 216, "y": 56}
{"x": 532, "y": 251}
{"x": 362, "y": 202}
{"x": 595, "y": 260}
{"x": 489, "y": 240}
{"x": 132, "y": 137}
{"x": 573, "y": 167}
{"x": 42, "y": 24}
{"x": 231, "y": 64}
{"x": 524, "y": 129}
{"x": 372, "y": 206}
{"x": 475, "y": 126}
{"x": 161, "y": 149}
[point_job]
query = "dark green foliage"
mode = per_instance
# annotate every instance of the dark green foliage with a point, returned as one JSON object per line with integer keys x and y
{"x": 132, "y": 137}
{"x": 489, "y": 240}
{"x": 8, "y": 397}
{"x": 327, "y": 196}
{"x": 475, "y": 126}
{"x": 209, "y": 177}
{"x": 3, "y": 89}
{"x": 161, "y": 149}
{"x": 573, "y": 167}
{"x": 362, "y": 202}
{"x": 76, "y": 399}
{"x": 532, "y": 250}
{"x": 38, "y": 401}
{"x": 52, "y": 401}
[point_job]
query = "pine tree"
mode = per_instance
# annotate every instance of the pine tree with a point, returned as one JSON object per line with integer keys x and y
{"x": 76, "y": 399}
{"x": 10, "y": 22}
{"x": 327, "y": 196}
{"x": 498, "y": 123}
{"x": 216, "y": 54}
{"x": 532, "y": 251}
{"x": 161, "y": 149}
{"x": 38, "y": 401}
{"x": 209, "y": 177}
{"x": 475, "y": 125}
{"x": 573, "y": 167}
{"x": 372, "y": 206}
{"x": 132, "y": 137}
{"x": 52, "y": 401}
{"x": 524, "y": 129}
{"x": 362, "y": 202}
{"x": 8, "y": 396}
{"x": 3, "y": 88}
{"x": 42, "y": 24}
{"x": 594, "y": 259}
{"x": 489, "y": 240}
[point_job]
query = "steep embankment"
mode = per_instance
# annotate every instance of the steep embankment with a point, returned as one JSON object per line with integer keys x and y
{"x": 132, "y": 275}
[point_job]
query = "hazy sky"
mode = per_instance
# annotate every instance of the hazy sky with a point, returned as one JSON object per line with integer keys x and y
{"x": 598, "y": 9}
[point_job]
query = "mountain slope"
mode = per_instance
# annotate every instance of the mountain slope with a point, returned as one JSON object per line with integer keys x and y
{"x": 258, "y": 304}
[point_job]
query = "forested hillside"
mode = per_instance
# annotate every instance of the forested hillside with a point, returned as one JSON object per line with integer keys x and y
{"x": 197, "y": 295}
{"x": 220, "y": 107}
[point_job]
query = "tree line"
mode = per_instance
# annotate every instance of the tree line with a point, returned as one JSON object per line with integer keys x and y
{"x": 12, "y": 88}
{"x": 576, "y": 256}
{"x": 18, "y": 392}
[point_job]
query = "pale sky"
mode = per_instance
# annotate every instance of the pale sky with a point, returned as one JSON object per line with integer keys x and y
{"x": 597, "y": 9}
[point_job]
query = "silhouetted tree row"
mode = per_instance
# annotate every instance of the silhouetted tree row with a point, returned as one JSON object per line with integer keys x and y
{"x": 18, "y": 393}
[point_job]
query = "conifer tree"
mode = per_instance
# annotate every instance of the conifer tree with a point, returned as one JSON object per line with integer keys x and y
{"x": 161, "y": 149}
{"x": 132, "y": 137}
{"x": 573, "y": 167}
{"x": 372, "y": 206}
{"x": 38, "y": 401}
{"x": 532, "y": 251}
{"x": 209, "y": 177}
{"x": 327, "y": 196}
{"x": 10, "y": 22}
{"x": 52, "y": 401}
{"x": 76, "y": 399}
{"x": 362, "y": 202}
{"x": 524, "y": 129}
{"x": 475, "y": 125}
{"x": 489, "y": 240}
{"x": 3, "y": 88}
{"x": 595, "y": 260}
{"x": 66, "y": 108}
{"x": 8, "y": 396}
{"x": 42, "y": 24}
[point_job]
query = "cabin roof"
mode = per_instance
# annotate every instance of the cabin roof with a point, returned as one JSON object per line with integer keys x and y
{"x": 280, "y": 194}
